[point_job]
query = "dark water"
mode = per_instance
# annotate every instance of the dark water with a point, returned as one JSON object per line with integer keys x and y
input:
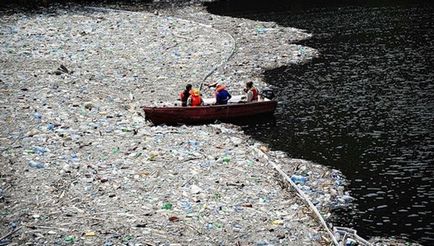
{"x": 365, "y": 107}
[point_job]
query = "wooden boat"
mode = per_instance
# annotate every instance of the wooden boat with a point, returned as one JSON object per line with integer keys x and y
{"x": 235, "y": 110}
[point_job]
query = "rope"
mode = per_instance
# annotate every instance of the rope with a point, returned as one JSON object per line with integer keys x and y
{"x": 340, "y": 230}
{"x": 234, "y": 47}
{"x": 307, "y": 200}
{"x": 302, "y": 195}
{"x": 345, "y": 231}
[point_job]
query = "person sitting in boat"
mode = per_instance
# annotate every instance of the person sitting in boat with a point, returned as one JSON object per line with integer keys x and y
{"x": 194, "y": 99}
{"x": 222, "y": 96}
{"x": 183, "y": 95}
{"x": 252, "y": 92}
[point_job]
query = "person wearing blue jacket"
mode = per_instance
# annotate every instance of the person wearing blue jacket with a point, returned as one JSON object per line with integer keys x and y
{"x": 222, "y": 96}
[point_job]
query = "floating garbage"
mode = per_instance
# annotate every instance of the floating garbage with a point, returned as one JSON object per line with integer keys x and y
{"x": 114, "y": 177}
{"x": 39, "y": 150}
{"x": 50, "y": 126}
{"x": 167, "y": 206}
{"x": 36, "y": 164}
{"x": 298, "y": 179}
{"x": 37, "y": 116}
{"x": 70, "y": 239}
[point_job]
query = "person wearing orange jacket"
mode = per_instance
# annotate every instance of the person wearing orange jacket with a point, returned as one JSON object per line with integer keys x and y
{"x": 195, "y": 99}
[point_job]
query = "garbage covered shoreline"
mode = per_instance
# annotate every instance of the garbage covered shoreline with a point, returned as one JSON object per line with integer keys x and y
{"x": 81, "y": 165}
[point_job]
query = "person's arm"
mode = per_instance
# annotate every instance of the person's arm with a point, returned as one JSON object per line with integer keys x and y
{"x": 249, "y": 96}
{"x": 228, "y": 97}
{"x": 214, "y": 84}
{"x": 217, "y": 98}
{"x": 189, "y": 101}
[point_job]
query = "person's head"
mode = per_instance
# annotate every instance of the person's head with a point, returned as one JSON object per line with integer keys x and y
{"x": 249, "y": 84}
{"x": 188, "y": 87}
{"x": 195, "y": 92}
{"x": 220, "y": 87}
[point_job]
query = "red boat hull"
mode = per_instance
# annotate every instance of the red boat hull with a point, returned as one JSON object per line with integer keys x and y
{"x": 211, "y": 113}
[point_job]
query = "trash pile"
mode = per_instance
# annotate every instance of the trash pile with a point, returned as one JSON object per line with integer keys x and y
{"x": 156, "y": 185}
{"x": 324, "y": 187}
{"x": 266, "y": 44}
{"x": 81, "y": 165}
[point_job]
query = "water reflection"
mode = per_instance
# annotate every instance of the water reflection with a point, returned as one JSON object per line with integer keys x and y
{"x": 365, "y": 107}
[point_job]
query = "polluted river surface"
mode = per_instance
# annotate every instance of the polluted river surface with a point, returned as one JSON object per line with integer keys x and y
{"x": 365, "y": 107}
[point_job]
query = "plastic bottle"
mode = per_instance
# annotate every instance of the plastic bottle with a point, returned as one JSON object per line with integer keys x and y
{"x": 50, "y": 126}
{"x": 37, "y": 116}
{"x": 74, "y": 157}
{"x": 350, "y": 242}
{"x": 39, "y": 150}
{"x": 36, "y": 164}
{"x": 167, "y": 206}
{"x": 298, "y": 179}
{"x": 186, "y": 206}
{"x": 193, "y": 143}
